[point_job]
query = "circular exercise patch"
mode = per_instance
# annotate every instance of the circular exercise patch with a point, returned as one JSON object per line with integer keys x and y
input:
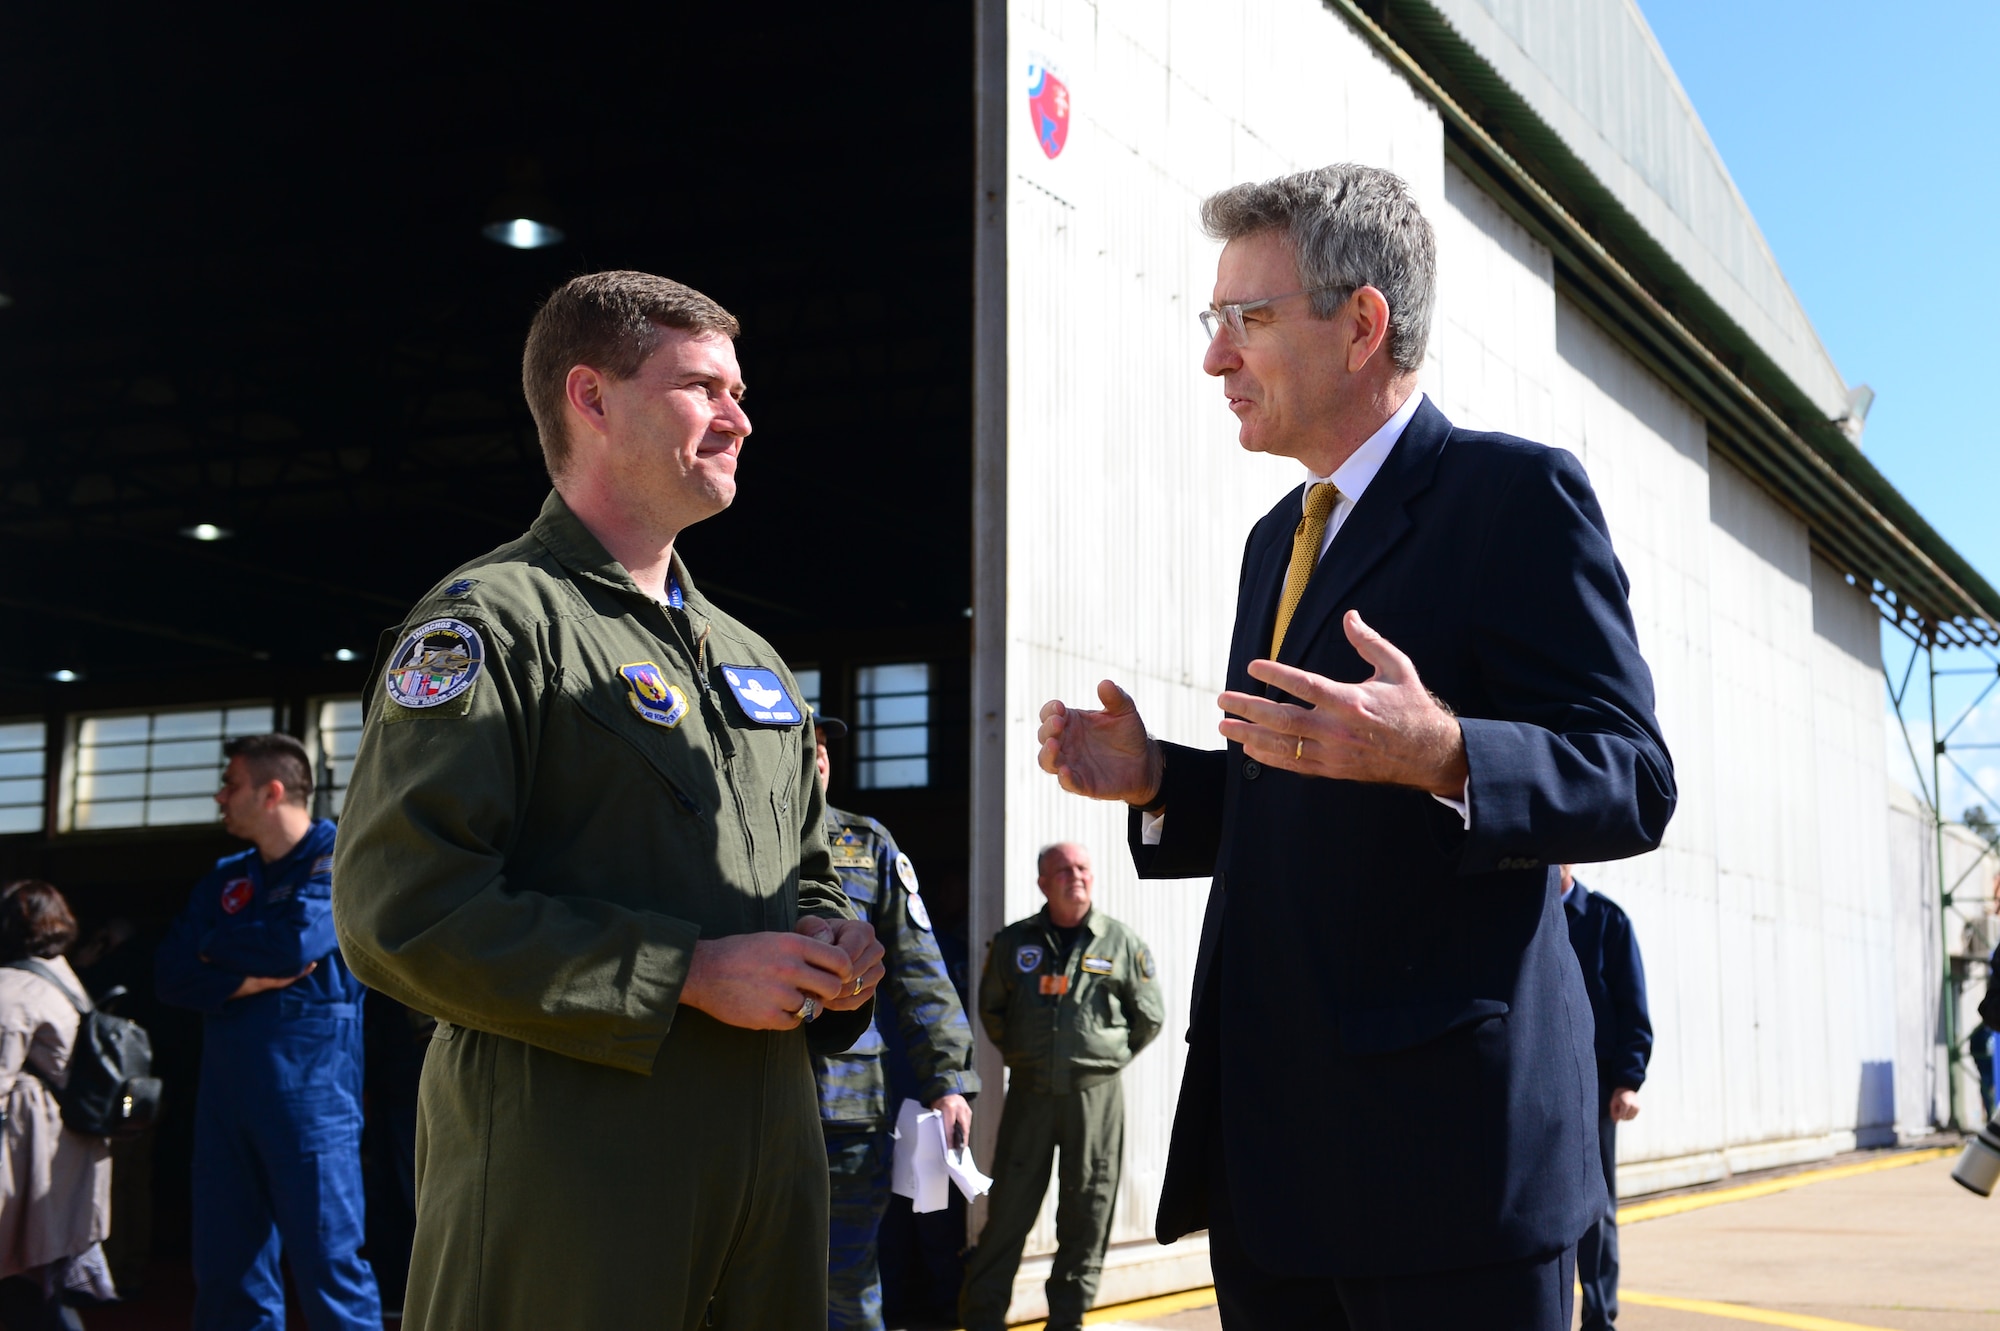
{"x": 435, "y": 664}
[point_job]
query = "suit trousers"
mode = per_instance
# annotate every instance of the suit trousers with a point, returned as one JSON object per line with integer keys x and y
{"x": 1597, "y": 1250}
{"x": 1534, "y": 1294}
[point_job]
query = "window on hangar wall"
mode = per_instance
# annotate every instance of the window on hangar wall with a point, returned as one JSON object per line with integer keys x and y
{"x": 152, "y": 769}
{"x": 809, "y": 685}
{"x": 892, "y": 725}
{"x": 24, "y": 749}
{"x": 336, "y": 734}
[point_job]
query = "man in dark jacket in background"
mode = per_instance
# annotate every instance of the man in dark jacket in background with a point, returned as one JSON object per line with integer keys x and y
{"x": 1608, "y": 952}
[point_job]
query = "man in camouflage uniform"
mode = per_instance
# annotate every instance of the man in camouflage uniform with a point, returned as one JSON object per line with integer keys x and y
{"x": 1071, "y": 996}
{"x": 853, "y": 1091}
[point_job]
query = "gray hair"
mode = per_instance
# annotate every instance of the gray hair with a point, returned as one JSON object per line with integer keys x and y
{"x": 1042, "y": 855}
{"x": 1348, "y": 226}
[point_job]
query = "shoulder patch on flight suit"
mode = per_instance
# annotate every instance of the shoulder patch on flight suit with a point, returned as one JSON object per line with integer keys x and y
{"x": 761, "y": 695}
{"x": 920, "y": 912}
{"x": 906, "y": 872}
{"x": 1097, "y": 965}
{"x": 652, "y": 697}
{"x": 1027, "y": 957}
{"x": 1145, "y": 964}
{"x": 461, "y": 587}
{"x": 435, "y": 664}
{"x": 236, "y": 894}
{"x": 324, "y": 864}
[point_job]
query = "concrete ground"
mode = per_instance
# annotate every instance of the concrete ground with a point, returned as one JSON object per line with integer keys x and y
{"x": 1900, "y": 1248}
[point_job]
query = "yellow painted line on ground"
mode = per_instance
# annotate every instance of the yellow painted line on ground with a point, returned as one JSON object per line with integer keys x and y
{"x": 1629, "y": 1215}
{"x": 1744, "y": 1313}
{"x": 1186, "y": 1301}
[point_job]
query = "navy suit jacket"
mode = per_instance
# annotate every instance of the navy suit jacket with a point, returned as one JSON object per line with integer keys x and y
{"x": 1387, "y": 1015}
{"x": 1607, "y": 951}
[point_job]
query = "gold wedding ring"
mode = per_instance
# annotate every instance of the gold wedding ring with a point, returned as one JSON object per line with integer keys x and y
{"x": 857, "y": 986}
{"x": 1299, "y": 751}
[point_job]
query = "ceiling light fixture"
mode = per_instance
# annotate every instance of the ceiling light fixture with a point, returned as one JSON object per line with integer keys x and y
{"x": 346, "y": 654}
{"x": 206, "y": 531}
{"x": 66, "y": 676}
{"x": 523, "y": 233}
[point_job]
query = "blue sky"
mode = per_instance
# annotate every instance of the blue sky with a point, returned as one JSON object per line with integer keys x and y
{"x": 1864, "y": 138}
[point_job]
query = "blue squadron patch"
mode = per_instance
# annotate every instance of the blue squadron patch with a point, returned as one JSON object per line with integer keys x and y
{"x": 652, "y": 697}
{"x": 436, "y": 663}
{"x": 761, "y": 695}
{"x": 1027, "y": 958}
{"x": 461, "y": 587}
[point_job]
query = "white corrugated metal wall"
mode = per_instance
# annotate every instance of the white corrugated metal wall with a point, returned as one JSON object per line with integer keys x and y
{"x": 1112, "y": 550}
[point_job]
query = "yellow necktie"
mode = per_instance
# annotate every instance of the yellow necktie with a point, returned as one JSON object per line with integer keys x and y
{"x": 1320, "y": 500}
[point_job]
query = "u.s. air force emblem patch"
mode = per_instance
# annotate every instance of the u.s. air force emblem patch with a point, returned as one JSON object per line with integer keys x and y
{"x": 652, "y": 697}
{"x": 435, "y": 664}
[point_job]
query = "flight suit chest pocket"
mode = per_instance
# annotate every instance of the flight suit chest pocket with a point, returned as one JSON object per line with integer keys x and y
{"x": 648, "y": 713}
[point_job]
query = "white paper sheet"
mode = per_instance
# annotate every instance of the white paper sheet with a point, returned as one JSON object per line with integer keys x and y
{"x": 923, "y": 1169}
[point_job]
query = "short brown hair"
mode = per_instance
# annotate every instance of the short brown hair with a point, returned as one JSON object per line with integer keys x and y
{"x": 277, "y": 758}
{"x": 610, "y": 322}
{"x": 34, "y": 921}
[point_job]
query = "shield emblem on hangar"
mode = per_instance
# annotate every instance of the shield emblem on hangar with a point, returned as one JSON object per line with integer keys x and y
{"x": 1048, "y": 108}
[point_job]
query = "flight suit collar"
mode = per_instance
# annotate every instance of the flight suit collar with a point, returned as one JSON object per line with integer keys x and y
{"x": 563, "y": 535}
{"x": 1088, "y": 923}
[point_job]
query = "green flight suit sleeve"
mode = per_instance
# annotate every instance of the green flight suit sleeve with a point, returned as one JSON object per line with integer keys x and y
{"x": 427, "y": 912}
{"x": 1145, "y": 1007}
{"x": 996, "y": 994}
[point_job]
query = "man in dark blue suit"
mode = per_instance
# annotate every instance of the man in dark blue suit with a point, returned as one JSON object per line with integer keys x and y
{"x": 1607, "y": 952}
{"x": 1388, "y": 1118}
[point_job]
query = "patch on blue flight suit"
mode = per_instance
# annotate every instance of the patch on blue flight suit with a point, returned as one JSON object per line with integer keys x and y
{"x": 850, "y": 851}
{"x": 652, "y": 697}
{"x": 282, "y": 892}
{"x": 1027, "y": 958}
{"x": 761, "y": 695}
{"x": 1145, "y": 964}
{"x": 1097, "y": 965}
{"x": 436, "y": 663}
{"x": 236, "y": 894}
{"x": 324, "y": 864}
{"x": 461, "y": 587}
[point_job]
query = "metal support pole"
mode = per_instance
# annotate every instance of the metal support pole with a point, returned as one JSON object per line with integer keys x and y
{"x": 1948, "y": 992}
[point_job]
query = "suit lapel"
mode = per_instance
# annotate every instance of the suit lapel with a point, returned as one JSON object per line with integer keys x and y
{"x": 1378, "y": 522}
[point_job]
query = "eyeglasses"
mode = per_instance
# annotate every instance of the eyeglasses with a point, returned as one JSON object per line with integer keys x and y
{"x": 1217, "y": 317}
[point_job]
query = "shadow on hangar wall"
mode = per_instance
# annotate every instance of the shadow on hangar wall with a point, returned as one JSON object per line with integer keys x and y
{"x": 247, "y": 287}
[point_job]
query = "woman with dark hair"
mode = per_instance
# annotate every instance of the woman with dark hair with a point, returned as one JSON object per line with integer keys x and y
{"x": 55, "y": 1185}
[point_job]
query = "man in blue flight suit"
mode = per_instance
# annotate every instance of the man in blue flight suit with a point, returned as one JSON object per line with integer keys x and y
{"x": 853, "y": 1089}
{"x": 1608, "y": 951}
{"x": 277, "y": 1150}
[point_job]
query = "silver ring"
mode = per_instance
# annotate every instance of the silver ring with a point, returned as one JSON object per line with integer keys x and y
{"x": 807, "y": 1011}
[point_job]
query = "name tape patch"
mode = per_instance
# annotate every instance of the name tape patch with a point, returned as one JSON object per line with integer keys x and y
{"x": 435, "y": 664}
{"x": 761, "y": 695}
{"x": 1097, "y": 965}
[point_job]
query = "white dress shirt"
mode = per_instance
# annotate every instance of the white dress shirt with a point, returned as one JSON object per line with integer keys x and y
{"x": 1352, "y": 478}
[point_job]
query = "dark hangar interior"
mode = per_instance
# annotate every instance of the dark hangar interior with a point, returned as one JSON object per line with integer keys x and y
{"x": 247, "y": 295}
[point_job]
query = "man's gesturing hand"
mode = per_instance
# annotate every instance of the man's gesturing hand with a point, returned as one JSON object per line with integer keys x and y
{"x": 758, "y": 981}
{"x": 1387, "y": 729}
{"x": 1105, "y": 755}
{"x": 262, "y": 984}
{"x": 864, "y": 950}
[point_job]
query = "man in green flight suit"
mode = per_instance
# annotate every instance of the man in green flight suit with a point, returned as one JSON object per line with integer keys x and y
{"x": 1070, "y": 995}
{"x": 917, "y": 1001}
{"x": 585, "y": 832}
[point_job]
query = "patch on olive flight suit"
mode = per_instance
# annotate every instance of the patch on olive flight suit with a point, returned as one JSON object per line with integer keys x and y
{"x": 435, "y": 664}
{"x": 850, "y": 851}
{"x": 461, "y": 587}
{"x": 1027, "y": 958}
{"x": 652, "y": 697}
{"x": 1097, "y": 965}
{"x": 761, "y": 695}
{"x": 236, "y": 894}
{"x": 1145, "y": 964}
{"x": 1055, "y": 986}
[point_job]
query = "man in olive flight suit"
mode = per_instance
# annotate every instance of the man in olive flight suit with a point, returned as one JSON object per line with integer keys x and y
{"x": 584, "y": 831}
{"x": 1070, "y": 995}
{"x": 853, "y": 1090}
